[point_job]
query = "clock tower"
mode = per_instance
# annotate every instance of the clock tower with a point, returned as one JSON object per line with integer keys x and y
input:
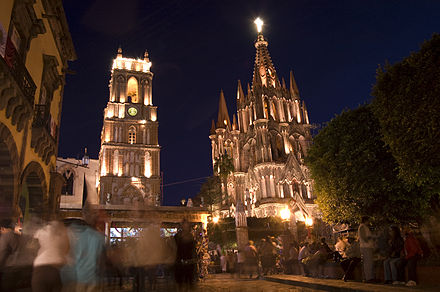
{"x": 129, "y": 167}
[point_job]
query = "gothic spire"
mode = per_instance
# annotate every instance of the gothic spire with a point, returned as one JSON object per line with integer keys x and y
{"x": 264, "y": 70}
{"x": 212, "y": 131}
{"x": 294, "y": 92}
{"x": 223, "y": 120}
{"x": 240, "y": 95}
{"x": 234, "y": 123}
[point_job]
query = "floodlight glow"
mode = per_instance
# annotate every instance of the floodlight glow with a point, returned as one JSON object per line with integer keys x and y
{"x": 215, "y": 219}
{"x": 285, "y": 214}
{"x": 259, "y": 23}
{"x": 309, "y": 221}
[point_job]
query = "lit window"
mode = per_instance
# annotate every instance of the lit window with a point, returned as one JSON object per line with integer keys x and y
{"x": 132, "y": 135}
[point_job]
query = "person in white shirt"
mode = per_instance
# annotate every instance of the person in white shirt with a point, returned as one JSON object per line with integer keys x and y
{"x": 52, "y": 255}
{"x": 304, "y": 252}
{"x": 366, "y": 242}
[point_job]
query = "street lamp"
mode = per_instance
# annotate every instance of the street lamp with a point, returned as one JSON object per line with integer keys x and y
{"x": 309, "y": 221}
{"x": 215, "y": 219}
{"x": 285, "y": 214}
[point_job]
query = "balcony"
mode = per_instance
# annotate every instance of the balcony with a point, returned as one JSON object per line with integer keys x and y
{"x": 17, "y": 89}
{"x": 44, "y": 133}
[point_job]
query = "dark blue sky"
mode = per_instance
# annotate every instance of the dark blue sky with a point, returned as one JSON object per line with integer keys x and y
{"x": 200, "y": 47}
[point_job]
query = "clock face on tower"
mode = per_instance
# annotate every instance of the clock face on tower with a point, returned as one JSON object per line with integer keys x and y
{"x": 132, "y": 111}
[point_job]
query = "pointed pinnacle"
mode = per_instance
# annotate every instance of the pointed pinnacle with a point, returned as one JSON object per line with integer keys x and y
{"x": 293, "y": 87}
{"x": 240, "y": 93}
{"x": 212, "y": 132}
{"x": 283, "y": 83}
{"x": 234, "y": 123}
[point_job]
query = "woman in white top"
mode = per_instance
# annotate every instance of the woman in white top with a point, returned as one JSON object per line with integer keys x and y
{"x": 52, "y": 255}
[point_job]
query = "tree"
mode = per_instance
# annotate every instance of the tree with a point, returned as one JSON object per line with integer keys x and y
{"x": 407, "y": 104}
{"x": 223, "y": 165}
{"x": 211, "y": 191}
{"x": 355, "y": 173}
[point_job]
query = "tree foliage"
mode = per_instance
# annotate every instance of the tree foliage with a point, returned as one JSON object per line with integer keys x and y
{"x": 211, "y": 191}
{"x": 355, "y": 173}
{"x": 407, "y": 105}
{"x": 224, "y": 165}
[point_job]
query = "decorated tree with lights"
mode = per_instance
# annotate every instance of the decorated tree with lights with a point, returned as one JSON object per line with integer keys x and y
{"x": 355, "y": 173}
{"x": 407, "y": 104}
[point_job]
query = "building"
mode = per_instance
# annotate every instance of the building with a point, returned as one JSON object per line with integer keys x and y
{"x": 124, "y": 184}
{"x": 267, "y": 141}
{"x": 129, "y": 165}
{"x": 35, "y": 47}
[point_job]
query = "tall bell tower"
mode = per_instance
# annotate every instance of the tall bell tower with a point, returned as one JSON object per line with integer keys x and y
{"x": 129, "y": 161}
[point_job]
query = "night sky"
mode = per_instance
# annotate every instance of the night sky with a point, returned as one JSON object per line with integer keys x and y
{"x": 199, "y": 47}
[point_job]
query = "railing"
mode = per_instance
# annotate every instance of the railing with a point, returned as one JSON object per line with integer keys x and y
{"x": 42, "y": 119}
{"x": 20, "y": 73}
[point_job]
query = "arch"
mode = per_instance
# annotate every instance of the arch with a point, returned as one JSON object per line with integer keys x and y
{"x": 130, "y": 194}
{"x": 69, "y": 179}
{"x": 9, "y": 169}
{"x": 132, "y": 135}
{"x": 133, "y": 90}
{"x": 33, "y": 198}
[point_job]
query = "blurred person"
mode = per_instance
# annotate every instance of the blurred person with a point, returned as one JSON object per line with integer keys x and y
{"x": 292, "y": 258}
{"x": 185, "y": 258}
{"x": 87, "y": 255}
{"x": 413, "y": 252}
{"x": 352, "y": 257}
{"x": 303, "y": 254}
{"x": 341, "y": 245}
{"x": 9, "y": 241}
{"x": 230, "y": 262}
{"x": 251, "y": 259}
{"x": 223, "y": 261}
{"x": 52, "y": 255}
{"x": 366, "y": 242}
{"x": 241, "y": 258}
{"x": 149, "y": 251}
{"x": 392, "y": 263}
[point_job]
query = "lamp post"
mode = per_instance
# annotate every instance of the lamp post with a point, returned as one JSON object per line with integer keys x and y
{"x": 309, "y": 224}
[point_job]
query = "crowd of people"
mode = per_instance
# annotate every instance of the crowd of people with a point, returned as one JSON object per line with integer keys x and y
{"x": 72, "y": 255}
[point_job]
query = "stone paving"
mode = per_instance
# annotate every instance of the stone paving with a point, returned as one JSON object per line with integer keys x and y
{"x": 279, "y": 283}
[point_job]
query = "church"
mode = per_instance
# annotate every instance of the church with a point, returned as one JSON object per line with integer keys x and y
{"x": 267, "y": 141}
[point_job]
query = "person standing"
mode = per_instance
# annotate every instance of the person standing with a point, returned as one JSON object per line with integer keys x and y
{"x": 413, "y": 252}
{"x": 52, "y": 255}
{"x": 366, "y": 242}
{"x": 185, "y": 258}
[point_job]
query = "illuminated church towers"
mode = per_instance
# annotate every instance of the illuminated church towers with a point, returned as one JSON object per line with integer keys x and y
{"x": 129, "y": 166}
{"x": 267, "y": 141}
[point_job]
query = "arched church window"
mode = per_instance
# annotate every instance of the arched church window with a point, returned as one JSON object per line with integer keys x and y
{"x": 132, "y": 135}
{"x": 132, "y": 90}
{"x": 67, "y": 189}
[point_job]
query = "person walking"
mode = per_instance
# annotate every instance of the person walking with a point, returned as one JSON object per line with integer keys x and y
{"x": 366, "y": 242}
{"x": 393, "y": 262}
{"x": 413, "y": 252}
{"x": 52, "y": 256}
{"x": 251, "y": 259}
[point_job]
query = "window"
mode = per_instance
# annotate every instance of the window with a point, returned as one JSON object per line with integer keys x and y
{"x": 132, "y": 135}
{"x": 67, "y": 189}
{"x": 132, "y": 90}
